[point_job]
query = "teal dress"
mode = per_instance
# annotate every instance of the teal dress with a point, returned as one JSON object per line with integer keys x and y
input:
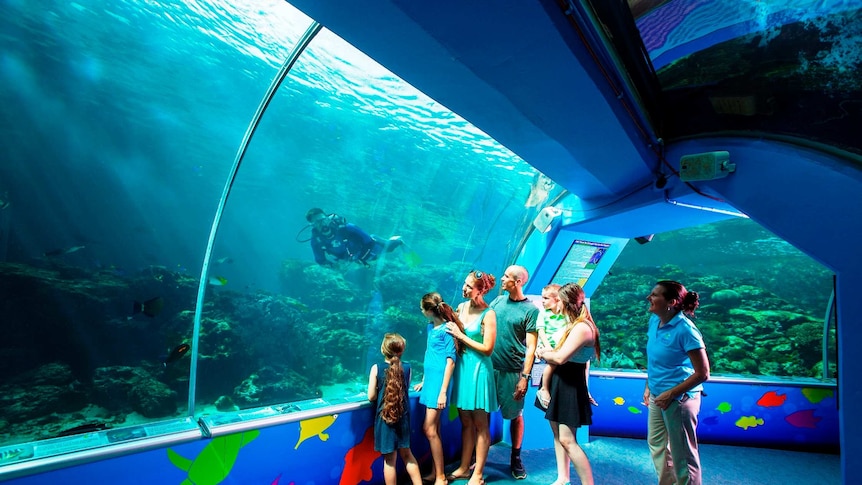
{"x": 474, "y": 375}
{"x": 441, "y": 348}
{"x": 391, "y": 437}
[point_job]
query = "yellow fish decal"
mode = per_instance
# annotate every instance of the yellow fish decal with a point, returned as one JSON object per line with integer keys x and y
{"x": 619, "y": 401}
{"x": 746, "y": 422}
{"x": 815, "y": 395}
{"x": 315, "y": 427}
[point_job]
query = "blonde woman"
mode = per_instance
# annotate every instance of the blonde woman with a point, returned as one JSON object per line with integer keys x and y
{"x": 569, "y": 406}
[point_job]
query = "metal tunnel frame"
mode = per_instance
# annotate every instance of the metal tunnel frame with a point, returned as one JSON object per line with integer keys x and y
{"x": 306, "y": 39}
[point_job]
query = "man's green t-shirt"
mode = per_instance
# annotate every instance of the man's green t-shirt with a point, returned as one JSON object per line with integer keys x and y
{"x": 514, "y": 320}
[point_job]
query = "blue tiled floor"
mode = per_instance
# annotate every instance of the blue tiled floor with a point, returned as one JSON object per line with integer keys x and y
{"x": 620, "y": 461}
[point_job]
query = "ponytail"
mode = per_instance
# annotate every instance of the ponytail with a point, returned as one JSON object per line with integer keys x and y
{"x": 433, "y": 302}
{"x": 393, "y": 395}
{"x": 576, "y": 311}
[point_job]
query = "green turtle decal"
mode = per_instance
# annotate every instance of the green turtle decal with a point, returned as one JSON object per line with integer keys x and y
{"x": 215, "y": 461}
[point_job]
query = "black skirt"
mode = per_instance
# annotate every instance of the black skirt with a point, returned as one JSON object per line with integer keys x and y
{"x": 570, "y": 402}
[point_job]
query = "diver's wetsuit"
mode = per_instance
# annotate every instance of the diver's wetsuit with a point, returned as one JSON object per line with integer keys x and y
{"x": 347, "y": 242}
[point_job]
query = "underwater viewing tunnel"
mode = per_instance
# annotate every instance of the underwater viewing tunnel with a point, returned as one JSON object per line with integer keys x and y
{"x": 171, "y": 318}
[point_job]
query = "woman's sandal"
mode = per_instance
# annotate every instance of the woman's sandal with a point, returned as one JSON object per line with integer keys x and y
{"x": 544, "y": 398}
{"x": 452, "y": 477}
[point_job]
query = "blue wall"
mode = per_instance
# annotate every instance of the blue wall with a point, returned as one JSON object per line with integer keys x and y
{"x": 323, "y": 450}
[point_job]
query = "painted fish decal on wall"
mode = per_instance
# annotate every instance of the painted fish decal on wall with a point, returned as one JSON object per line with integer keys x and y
{"x": 358, "y": 461}
{"x": 746, "y": 422}
{"x": 803, "y": 419}
{"x": 314, "y": 427}
{"x": 214, "y": 463}
{"x": 815, "y": 395}
{"x": 772, "y": 399}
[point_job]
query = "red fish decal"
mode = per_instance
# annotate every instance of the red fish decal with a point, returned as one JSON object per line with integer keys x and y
{"x": 275, "y": 482}
{"x": 771, "y": 399}
{"x": 358, "y": 461}
{"x": 803, "y": 419}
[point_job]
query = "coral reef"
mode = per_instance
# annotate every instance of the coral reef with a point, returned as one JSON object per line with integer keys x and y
{"x": 74, "y": 352}
{"x": 747, "y": 328}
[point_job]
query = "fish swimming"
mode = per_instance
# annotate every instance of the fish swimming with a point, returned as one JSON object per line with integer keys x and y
{"x": 150, "y": 308}
{"x": 177, "y": 354}
{"x": 218, "y": 281}
{"x": 413, "y": 259}
{"x": 83, "y": 429}
{"x": 62, "y": 251}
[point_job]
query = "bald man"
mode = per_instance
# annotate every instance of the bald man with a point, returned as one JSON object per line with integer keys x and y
{"x": 514, "y": 352}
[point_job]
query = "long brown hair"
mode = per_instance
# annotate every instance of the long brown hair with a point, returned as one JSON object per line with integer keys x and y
{"x": 393, "y": 396}
{"x": 433, "y": 302}
{"x": 572, "y": 297}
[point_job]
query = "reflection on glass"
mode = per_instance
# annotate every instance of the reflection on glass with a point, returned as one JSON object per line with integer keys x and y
{"x": 781, "y": 67}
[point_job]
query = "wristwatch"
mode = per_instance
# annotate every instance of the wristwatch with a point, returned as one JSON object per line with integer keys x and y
{"x": 526, "y": 376}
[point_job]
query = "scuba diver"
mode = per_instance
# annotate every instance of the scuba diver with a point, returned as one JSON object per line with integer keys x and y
{"x": 333, "y": 237}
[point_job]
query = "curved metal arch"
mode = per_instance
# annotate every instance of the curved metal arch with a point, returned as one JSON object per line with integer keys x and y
{"x": 306, "y": 38}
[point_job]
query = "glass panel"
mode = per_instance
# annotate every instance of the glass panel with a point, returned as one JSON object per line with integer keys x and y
{"x": 120, "y": 124}
{"x": 433, "y": 196}
{"x": 118, "y": 127}
{"x": 789, "y": 68}
{"x": 762, "y": 302}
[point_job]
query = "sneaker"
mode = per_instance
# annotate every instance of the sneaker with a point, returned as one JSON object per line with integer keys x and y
{"x": 518, "y": 470}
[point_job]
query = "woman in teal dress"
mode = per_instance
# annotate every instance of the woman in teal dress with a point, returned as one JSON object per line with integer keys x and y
{"x": 474, "y": 393}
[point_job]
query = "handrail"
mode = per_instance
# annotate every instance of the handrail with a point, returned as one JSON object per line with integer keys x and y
{"x": 306, "y": 38}
{"x": 830, "y": 307}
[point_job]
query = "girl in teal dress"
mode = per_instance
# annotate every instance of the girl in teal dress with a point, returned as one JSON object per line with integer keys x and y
{"x": 436, "y": 386}
{"x": 475, "y": 394}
